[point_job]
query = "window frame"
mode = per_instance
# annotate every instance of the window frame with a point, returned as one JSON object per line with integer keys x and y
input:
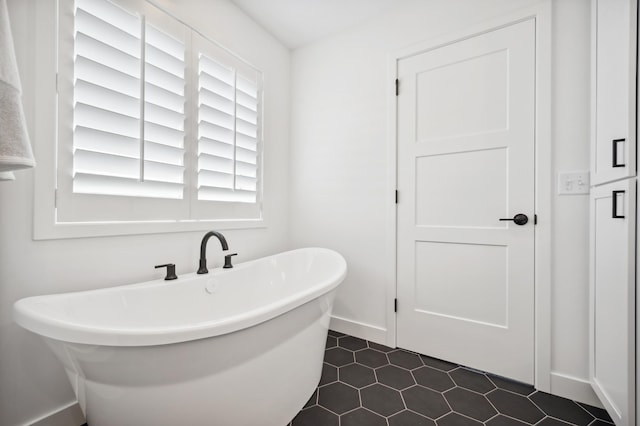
{"x": 49, "y": 142}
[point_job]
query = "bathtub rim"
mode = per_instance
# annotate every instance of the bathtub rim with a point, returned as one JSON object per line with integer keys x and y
{"x": 26, "y": 315}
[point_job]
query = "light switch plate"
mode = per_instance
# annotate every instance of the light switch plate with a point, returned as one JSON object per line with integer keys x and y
{"x": 571, "y": 183}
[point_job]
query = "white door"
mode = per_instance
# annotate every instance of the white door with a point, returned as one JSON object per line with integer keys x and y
{"x": 465, "y": 161}
{"x": 613, "y": 298}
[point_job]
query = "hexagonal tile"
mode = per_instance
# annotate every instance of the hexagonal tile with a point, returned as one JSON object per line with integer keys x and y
{"x": 338, "y": 398}
{"x": 332, "y": 342}
{"x": 313, "y": 400}
{"x": 357, "y": 375}
{"x": 455, "y": 419}
{"x": 433, "y": 379}
{"x": 472, "y": 380}
{"x": 502, "y": 420}
{"x": 550, "y": 421}
{"x": 395, "y": 377}
{"x": 516, "y": 406}
{"x": 381, "y": 399}
{"x": 409, "y": 418}
{"x": 362, "y": 417}
{"x": 425, "y": 401}
{"x": 336, "y": 333}
{"x": 371, "y": 358}
{"x": 404, "y": 359}
{"x": 596, "y": 412}
{"x": 352, "y": 343}
{"x": 381, "y": 348}
{"x": 561, "y": 408}
{"x": 338, "y": 356}
{"x": 315, "y": 416}
{"x": 438, "y": 363}
{"x": 598, "y": 422}
{"x": 470, "y": 404}
{"x": 512, "y": 385}
{"x": 329, "y": 374}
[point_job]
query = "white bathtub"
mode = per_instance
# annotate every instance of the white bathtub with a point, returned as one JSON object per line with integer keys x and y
{"x": 241, "y": 346}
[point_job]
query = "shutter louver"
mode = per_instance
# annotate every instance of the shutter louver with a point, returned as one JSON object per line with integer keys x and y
{"x": 164, "y": 110}
{"x": 227, "y": 134}
{"x": 109, "y": 120}
{"x": 247, "y": 140}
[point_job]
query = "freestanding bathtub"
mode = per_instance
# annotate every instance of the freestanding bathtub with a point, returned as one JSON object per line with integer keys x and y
{"x": 241, "y": 346}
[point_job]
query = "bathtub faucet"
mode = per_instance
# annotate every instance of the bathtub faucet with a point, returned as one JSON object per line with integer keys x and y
{"x": 203, "y": 249}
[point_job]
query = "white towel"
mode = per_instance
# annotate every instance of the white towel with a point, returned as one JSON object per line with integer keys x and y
{"x": 15, "y": 149}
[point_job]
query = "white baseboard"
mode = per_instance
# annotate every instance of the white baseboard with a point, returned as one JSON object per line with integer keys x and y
{"x": 574, "y": 388}
{"x": 70, "y": 415}
{"x": 358, "y": 329}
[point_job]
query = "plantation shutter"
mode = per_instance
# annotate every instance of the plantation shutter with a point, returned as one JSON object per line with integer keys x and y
{"x": 228, "y": 132}
{"x": 156, "y": 123}
{"x": 128, "y": 106}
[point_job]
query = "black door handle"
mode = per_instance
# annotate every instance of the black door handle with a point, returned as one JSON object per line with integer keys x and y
{"x": 519, "y": 219}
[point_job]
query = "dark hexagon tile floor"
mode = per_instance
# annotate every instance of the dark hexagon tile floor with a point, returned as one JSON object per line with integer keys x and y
{"x": 368, "y": 384}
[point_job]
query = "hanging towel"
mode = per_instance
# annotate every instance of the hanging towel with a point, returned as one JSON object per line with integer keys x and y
{"x": 15, "y": 149}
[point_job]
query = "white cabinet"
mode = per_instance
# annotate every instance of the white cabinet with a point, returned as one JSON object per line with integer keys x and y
{"x": 613, "y": 154}
{"x": 612, "y": 316}
{"x": 612, "y": 302}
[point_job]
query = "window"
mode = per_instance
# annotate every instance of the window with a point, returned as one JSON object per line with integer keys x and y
{"x": 128, "y": 106}
{"x": 156, "y": 123}
{"x": 227, "y": 133}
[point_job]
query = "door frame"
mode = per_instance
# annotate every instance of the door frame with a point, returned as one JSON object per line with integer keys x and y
{"x": 541, "y": 13}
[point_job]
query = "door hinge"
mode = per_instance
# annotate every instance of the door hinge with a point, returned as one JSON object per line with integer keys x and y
{"x": 397, "y": 87}
{"x": 396, "y": 196}
{"x": 395, "y": 305}
{"x": 55, "y": 198}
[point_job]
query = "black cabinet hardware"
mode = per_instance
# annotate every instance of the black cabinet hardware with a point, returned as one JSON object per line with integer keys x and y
{"x": 614, "y": 162}
{"x": 614, "y": 204}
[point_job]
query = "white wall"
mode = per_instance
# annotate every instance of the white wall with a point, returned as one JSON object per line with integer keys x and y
{"x": 571, "y": 111}
{"x": 339, "y": 196}
{"x": 32, "y": 382}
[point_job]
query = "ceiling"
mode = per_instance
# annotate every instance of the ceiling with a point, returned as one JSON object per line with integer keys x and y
{"x": 299, "y": 22}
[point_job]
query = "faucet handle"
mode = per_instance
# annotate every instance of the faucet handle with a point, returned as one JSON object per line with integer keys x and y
{"x": 171, "y": 271}
{"x": 227, "y": 261}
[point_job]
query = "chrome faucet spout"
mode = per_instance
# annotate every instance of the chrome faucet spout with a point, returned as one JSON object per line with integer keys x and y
{"x": 202, "y": 269}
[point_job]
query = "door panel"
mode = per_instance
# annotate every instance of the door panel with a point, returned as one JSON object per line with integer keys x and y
{"x": 452, "y": 179}
{"x": 466, "y": 160}
{"x": 483, "y": 263}
{"x": 473, "y": 105}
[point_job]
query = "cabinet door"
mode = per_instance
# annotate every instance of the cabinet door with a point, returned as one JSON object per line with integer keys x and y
{"x": 614, "y": 90}
{"x": 612, "y": 304}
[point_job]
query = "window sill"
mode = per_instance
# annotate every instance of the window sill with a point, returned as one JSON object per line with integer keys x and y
{"x": 52, "y": 230}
